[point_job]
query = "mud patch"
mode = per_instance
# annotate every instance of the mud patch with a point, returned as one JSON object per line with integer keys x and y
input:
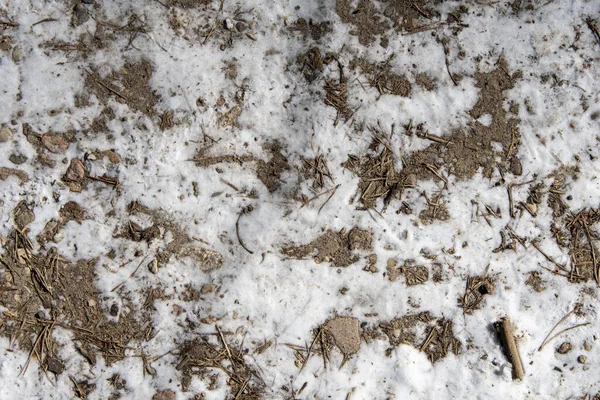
{"x": 333, "y": 247}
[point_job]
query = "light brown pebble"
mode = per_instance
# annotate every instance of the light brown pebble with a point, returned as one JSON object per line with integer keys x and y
{"x": 5, "y": 135}
{"x": 17, "y": 54}
{"x": 581, "y": 359}
{"x": 208, "y": 288}
{"x": 564, "y": 348}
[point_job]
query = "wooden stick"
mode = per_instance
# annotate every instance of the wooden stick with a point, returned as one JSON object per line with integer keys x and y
{"x": 510, "y": 345}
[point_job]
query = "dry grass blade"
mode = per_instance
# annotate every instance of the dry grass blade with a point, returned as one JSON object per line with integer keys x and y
{"x": 548, "y": 339}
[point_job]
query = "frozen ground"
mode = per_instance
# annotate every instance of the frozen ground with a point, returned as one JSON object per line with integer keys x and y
{"x": 298, "y": 199}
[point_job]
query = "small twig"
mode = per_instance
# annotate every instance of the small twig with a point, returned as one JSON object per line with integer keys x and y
{"x": 246, "y": 210}
{"x": 44, "y": 20}
{"x": 594, "y": 29}
{"x": 547, "y": 339}
{"x": 510, "y": 345}
{"x": 329, "y": 198}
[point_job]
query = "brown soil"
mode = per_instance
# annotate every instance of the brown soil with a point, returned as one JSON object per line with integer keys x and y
{"x": 199, "y": 357}
{"x": 314, "y": 30}
{"x": 44, "y": 290}
{"x": 334, "y": 247}
{"x": 129, "y": 86}
{"x": 367, "y": 22}
{"x": 437, "y": 343}
{"x": 269, "y": 172}
{"x": 345, "y": 332}
{"x": 535, "y": 281}
{"x": 381, "y": 77}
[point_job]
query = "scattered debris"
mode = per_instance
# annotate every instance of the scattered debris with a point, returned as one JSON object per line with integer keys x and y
{"x": 334, "y": 247}
{"x": 476, "y": 289}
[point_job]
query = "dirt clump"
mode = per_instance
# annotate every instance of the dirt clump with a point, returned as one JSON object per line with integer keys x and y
{"x": 477, "y": 287}
{"x": 6, "y": 172}
{"x": 414, "y": 274}
{"x": 334, "y": 247}
{"x": 310, "y": 28}
{"x": 186, "y": 4}
{"x": 269, "y": 172}
{"x": 130, "y": 86}
{"x": 365, "y": 18}
{"x": 345, "y": 332}
{"x": 438, "y": 340}
{"x": 534, "y": 280}
{"x": 200, "y": 357}
{"x": 381, "y": 77}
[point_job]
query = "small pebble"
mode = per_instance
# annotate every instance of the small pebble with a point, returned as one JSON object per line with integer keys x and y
{"x": 581, "y": 359}
{"x": 208, "y": 288}
{"x": 587, "y": 346}
{"x": 240, "y": 26}
{"x": 87, "y": 1}
{"x": 228, "y": 24}
{"x": 17, "y": 159}
{"x": 5, "y": 135}
{"x": 114, "y": 310}
{"x": 17, "y": 54}
{"x": 251, "y": 36}
{"x": 153, "y": 266}
{"x": 165, "y": 395}
{"x": 564, "y": 348}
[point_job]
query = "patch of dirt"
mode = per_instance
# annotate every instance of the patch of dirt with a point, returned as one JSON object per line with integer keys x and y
{"x": 269, "y": 172}
{"x": 365, "y": 18}
{"x": 345, "y": 332}
{"x": 334, "y": 247}
{"x": 70, "y": 211}
{"x": 23, "y": 215}
{"x": 200, "y": 357}
{"x": 463, "y": 153}
{"x": 535, "y": 281}
{"x": 188, "y": 3}
{"x": 314, "y": 30}
{"x": 44, "y": 290}
{"x": 381, "y": 77}
{"x": 414, "y": 274}
{"x": 476, "y": 289}
{"x": 425, "y": 81}
{"x": 378, "y": 176}
{"x": 311, "y": 64}
{"x": 439, "y": 338}
{"x": 6, "y": 172}
{"x": 128, "y": 85}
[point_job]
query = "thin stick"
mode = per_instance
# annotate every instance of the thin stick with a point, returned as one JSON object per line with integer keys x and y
{"x": 510, "y": 345}
{"x": 589, "y": 238}
{"x": 237, "y": 232}
{"x": 329, "y": 198}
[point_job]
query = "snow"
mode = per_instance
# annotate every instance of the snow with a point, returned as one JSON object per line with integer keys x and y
{"x": 263, "y": 296}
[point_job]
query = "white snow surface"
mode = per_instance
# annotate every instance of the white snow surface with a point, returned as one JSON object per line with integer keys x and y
{"x": 265, "y": 296}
